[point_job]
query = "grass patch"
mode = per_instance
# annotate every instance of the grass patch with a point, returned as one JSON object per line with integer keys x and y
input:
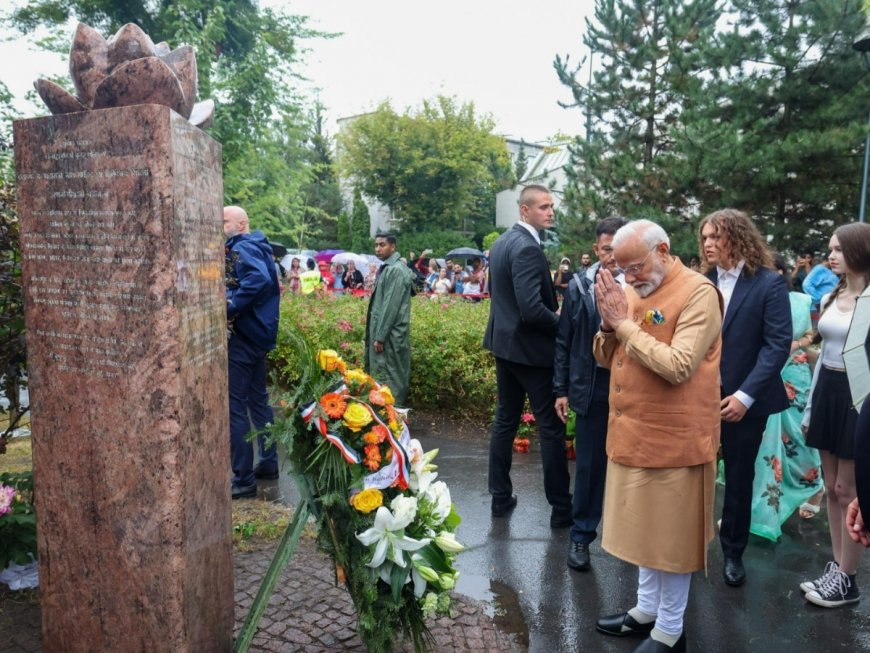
{"x": 18, "y": 456}
{"x": 258, "y": 524}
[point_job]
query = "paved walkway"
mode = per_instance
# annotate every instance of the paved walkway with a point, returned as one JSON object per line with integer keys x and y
{"x": 522, "y": 595}
{"x": 307, "y": 614}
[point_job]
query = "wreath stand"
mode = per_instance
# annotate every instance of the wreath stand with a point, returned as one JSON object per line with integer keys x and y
{"x": 286, "y": 548}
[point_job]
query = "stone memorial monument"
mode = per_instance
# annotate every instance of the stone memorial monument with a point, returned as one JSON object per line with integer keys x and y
{"x": 120, "y": 199}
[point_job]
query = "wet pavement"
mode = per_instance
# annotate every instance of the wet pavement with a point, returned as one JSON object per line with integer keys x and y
{"x": 518, "y": 564}
{"x": 515, "y": 592}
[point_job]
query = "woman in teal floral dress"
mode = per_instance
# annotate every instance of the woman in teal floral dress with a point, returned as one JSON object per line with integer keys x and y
{"x": 787, "y": 472}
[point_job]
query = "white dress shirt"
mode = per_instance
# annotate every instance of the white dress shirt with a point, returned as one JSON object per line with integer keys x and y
{"x": 727, "y": 281}
{"x": 532, "y": 231}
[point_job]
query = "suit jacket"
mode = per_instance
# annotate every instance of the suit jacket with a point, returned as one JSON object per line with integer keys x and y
{"x": 756, "y": 340}
{"x": 522, "y": 322}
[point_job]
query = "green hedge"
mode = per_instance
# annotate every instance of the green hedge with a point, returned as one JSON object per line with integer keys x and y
{"x": 450, "y": 370}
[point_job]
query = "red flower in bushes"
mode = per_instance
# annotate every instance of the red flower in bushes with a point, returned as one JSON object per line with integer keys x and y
{"x": 521, "y": 445}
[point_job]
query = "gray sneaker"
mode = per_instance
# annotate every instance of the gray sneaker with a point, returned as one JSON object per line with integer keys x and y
{"x": 839, "y": 589}
{"x": 812, "y": 585}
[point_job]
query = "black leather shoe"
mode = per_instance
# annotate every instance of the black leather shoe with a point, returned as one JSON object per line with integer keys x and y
{"x": 503, "y": 507}
{"x": 622, "y": 625}
{"x": 734, "y": 573}
{"x": 244, "y": 491}
{"x": 578, "y": 556}
{"x": 649, "y": 645}
{"x": 266, "y": 473}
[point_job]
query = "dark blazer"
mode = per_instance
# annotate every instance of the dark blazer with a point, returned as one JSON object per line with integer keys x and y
{"x": 522, "y": 311}
{"x": 756, "y": 340}
{"x": 575, "y": 367}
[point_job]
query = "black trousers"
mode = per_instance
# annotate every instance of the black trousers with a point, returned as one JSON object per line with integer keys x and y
{"x": 516, "y": 381}
{"x": 740, "y": 444}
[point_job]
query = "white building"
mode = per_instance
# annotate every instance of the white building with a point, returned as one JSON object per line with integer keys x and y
{"x": 545, "y": 166}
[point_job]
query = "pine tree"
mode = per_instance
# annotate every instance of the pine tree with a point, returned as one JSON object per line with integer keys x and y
{"x": 360, "y": 225}
{"x": 781, "y": 131}
{"x": 521, "y": 165}
{"x": 323, "y": 201}
{"x": 651, "y": 63}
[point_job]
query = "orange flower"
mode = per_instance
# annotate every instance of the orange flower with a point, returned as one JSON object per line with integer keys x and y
{"x": 373, "y": 457}
{"x": 333, "y": 405}
{"x": 370, "y": 438}
{"x": 392, "y": 415}
{"x": 376, "y": 398}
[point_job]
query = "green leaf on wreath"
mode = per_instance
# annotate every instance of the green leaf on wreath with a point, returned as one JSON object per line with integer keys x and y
{"x": 398, "y": 576}
{"x": 453, "y": 519}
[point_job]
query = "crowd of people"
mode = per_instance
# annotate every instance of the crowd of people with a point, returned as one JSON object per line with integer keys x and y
{"x": 431, "y": 276}
{"x": 674, "y": 373}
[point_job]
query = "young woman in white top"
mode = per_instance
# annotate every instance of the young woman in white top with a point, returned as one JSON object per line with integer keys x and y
{"x": 829, "y": 418}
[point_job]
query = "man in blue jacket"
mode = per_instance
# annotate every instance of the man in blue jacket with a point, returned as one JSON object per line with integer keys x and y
{"x": 582, "y": 384}
{"x": 252, "y": 317}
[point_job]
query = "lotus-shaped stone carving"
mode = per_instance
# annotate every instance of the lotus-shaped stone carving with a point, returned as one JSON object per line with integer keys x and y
{"x": 127, "y": 69}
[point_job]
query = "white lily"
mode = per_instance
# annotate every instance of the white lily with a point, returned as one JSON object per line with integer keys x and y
{"x": 446, "y": 541}
{"x": 388, "y": 534}
{"x": 439, "y": 495}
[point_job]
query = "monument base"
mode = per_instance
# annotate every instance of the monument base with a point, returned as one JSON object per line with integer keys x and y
{"x": 123, "y": 273}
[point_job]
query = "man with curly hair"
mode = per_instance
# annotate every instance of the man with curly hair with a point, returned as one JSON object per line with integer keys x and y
{"x": 756, "y": 341}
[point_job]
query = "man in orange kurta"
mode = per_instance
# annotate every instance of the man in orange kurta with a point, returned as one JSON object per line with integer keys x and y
{"x": 661, "y": 339}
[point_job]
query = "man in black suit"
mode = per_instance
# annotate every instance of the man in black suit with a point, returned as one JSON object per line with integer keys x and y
{"x": 756, "y": 342}
{"x": 521, "y": 333}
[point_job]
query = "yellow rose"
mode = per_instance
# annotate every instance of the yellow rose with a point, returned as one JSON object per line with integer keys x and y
{"x": 357, "y": 377}
{"x": 328, "y": 359}
{"x": 367, "y": 500}
{"x": 387, "y": 394}
{"x": 356, "y": 417}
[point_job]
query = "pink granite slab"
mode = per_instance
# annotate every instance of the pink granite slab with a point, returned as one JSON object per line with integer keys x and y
{"x": 122, "y": 254}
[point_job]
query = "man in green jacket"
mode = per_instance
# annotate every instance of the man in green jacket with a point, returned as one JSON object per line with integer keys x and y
{"x": 388, "y": 344}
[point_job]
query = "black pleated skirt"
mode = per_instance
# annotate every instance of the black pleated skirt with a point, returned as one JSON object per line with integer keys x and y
{"x": 833, "y": 418}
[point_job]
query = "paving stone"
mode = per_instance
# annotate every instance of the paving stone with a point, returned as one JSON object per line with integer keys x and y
{"x": 310, "y": 614}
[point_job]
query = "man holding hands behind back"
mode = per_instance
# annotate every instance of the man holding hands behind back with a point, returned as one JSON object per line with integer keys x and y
{"x": 521, "y": 333}
{"x": 661, "y": 339}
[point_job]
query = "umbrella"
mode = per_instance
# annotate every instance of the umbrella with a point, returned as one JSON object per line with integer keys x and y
{"x": 327, "y": 255}
{"x": 344, "y": 257}
{"x": 278, "y": 249}
{"x": 465, "y": 252}
{"x": 855, "y": 351}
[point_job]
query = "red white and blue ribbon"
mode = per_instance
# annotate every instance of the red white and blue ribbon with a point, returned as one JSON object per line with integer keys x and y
{"x": 399, "y": 467}
{"x": 309, "y": 417}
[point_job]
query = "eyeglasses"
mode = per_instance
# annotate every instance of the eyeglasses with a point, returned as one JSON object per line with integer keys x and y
{"x": 637, "y": 267}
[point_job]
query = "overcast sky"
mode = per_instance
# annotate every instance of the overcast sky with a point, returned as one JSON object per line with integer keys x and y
{"x": 497, "y": 54}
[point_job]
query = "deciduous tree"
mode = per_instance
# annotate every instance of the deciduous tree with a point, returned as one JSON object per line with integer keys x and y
{"x": 429, "y": 167}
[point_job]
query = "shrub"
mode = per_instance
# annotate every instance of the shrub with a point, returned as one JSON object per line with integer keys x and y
{"x": 490, "y": 238}
{"x": 450, "y": 370}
